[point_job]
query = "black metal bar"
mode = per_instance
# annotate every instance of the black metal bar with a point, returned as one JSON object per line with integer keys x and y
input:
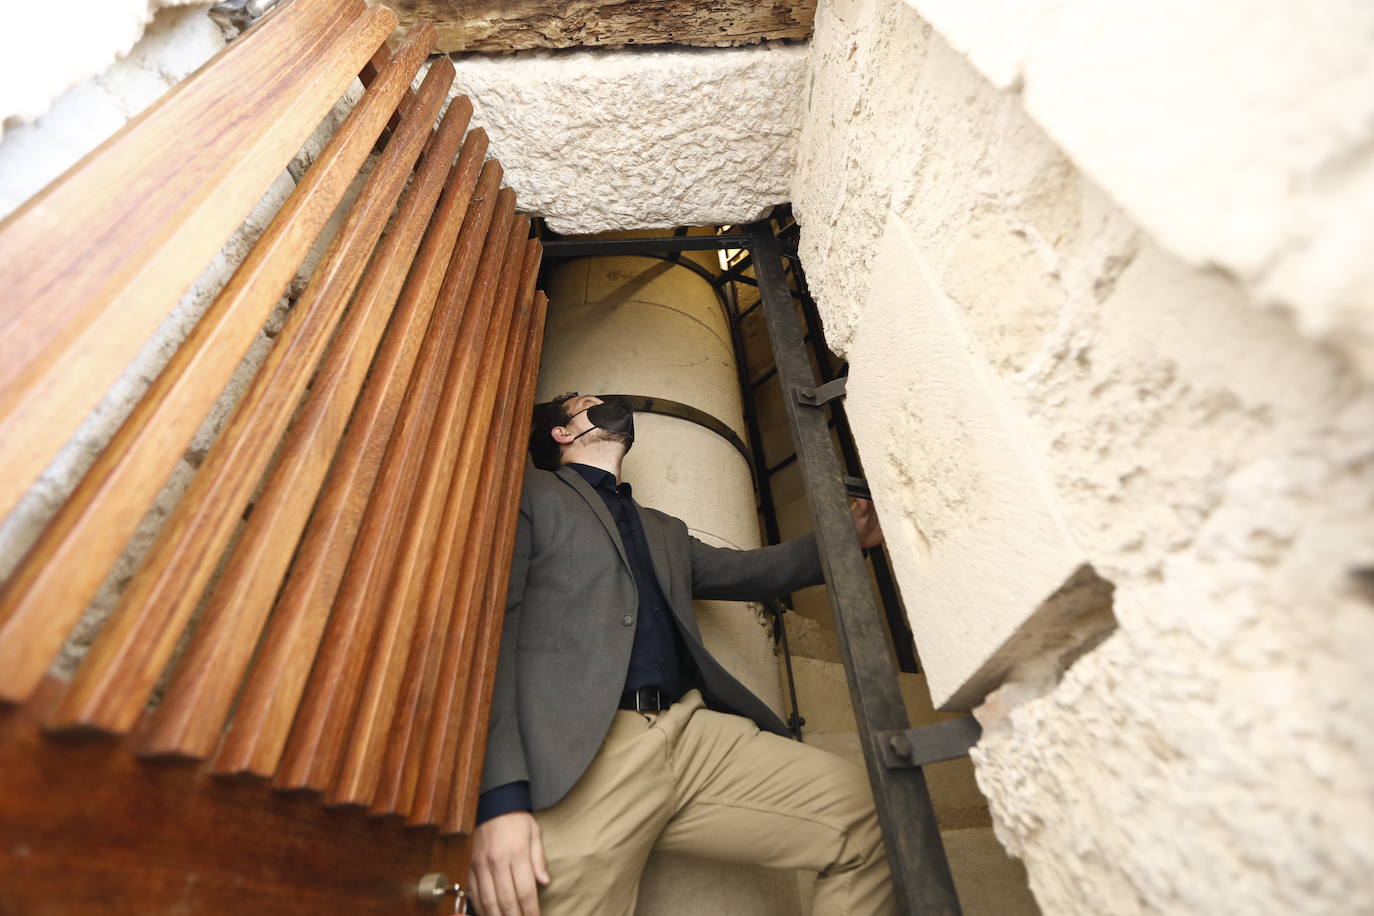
{"x": 916, "y": 747}
{"x": 736, "y": 270}
{"x": 898, "y": 624}
{"x": 561, "y": 249}
{"x": 857, "y": 487}
{"x": 920, "y": 871}
{"x": 794, "y": 719}
{"x": 774, "y": 468}
{"x": 643, "y": 404}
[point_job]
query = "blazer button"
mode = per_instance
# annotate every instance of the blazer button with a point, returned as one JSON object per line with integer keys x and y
{"x": 627, "y": 620}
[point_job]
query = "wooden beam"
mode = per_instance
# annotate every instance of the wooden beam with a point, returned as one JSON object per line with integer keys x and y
{"x": 515, "y": 25}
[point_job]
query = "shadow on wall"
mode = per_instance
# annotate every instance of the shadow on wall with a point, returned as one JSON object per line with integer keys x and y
{"x": 1066, "y": 626}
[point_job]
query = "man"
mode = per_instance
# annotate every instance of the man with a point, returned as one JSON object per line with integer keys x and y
{"x": 613, "y": 730}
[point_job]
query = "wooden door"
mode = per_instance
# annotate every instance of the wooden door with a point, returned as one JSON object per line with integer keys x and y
{"x": 319, "y": 616}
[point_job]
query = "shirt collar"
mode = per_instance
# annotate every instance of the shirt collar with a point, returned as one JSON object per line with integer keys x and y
{"x": 599, "y": 479}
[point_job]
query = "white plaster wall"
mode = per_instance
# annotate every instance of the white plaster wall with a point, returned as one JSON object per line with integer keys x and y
{"x": 1239, "y": 133}
{"x": 52, "y": 56}
{"x": 640, "y": 326}
{"x": 1202, "y": 454}
{"x": 636, "y": 138}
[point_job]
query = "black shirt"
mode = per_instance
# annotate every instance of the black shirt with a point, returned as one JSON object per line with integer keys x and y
{"x": 658, "y": 658}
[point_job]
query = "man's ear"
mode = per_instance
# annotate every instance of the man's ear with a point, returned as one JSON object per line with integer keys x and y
{"x": 561, "y": 435}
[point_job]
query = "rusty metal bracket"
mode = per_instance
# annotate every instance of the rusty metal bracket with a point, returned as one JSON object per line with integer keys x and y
{"x": 916, "y": 747}
{"x": 823, "y": 394}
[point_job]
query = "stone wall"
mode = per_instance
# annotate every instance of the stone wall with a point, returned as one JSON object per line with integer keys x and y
{"x": 1050, "y": 397}
{"x": 646, "y": 138}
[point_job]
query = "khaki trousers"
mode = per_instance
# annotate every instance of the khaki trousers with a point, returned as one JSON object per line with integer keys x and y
{"x": 712, "y": 785}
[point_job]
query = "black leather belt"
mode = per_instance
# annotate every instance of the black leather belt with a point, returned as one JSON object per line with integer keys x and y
{"x": 645, "y": 699}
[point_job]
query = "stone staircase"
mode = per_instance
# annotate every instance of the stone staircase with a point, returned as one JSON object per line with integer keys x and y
{"x": 989, "y": 882}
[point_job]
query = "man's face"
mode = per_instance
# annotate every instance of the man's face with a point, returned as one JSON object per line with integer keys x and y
{"x": 576, "y": 408}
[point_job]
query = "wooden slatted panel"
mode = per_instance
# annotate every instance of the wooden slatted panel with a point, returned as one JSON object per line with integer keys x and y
{"x": 190, "y": 720}
{"x": 88, "y": 828}
{"x": 93, "y": 264}
{"x": 474, "y": 428}
{"x": 371, "y": 70}
{"x": 418, "y": 521}
{"x": 473, "y": 522}
{"x": 113, "y": 683}
{"x": 46, "y": 596}
{"x": 312, "y": 754}
{"x": 273, "y": 692}
{"x": 479, "y": 682}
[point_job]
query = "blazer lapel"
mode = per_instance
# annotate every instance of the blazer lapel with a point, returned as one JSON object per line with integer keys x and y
{"x": 584, "y": 490}
{"x": 658, "y": 550}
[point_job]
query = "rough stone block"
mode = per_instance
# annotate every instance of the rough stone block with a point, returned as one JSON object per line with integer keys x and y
{"x": 1249, "y": 150}
{"x": 977, "y": 539}
{"x": 596, "y": 141}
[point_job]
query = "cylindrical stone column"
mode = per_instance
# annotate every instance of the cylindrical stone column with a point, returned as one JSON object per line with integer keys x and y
{"x": 641, "y": 326}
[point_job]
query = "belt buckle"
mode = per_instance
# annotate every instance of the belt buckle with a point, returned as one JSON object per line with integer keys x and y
{"x": 639, "y": 700}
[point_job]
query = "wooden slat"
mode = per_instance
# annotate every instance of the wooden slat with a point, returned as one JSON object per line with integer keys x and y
{"x": 321, "y": 727}
{"x": 371, "y": 70}
{"x": 190, "y": 720}
{"x": 93, "y": 264}
{"x": 470, "y": 523}
{"x": 112, "y": 685}
{"x": 425, "y": 492}
{"x": 473, "y": 426}
{"x": 47, "y": 594}
{"x": 89, "y": 828}
{"x": 478, "y": 683}
{"x": 262, "y": 719}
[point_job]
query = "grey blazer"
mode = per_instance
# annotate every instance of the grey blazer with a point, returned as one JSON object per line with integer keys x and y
{"x": 569, "y": 627}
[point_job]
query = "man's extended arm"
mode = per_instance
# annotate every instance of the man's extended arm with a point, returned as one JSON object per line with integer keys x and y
{"x": 754, "y": 575}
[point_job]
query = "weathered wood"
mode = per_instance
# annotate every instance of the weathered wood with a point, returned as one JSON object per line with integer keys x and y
{"x": 114, "y": 681}
{"x": 91, "y": 265}
{"x": 474, "y": 424}
{"x": 321, "y": 728}
{"x": 191, "y": 717}
{"x": 45, "y": 597}
{"x": 455, "y": 590}
{"x": 504, "y": 25}
{"x": 265, "y": 712}
{"x": 88, "y": 828}
{"x": 478, "y": 684}
{"x": 425, "y": 493}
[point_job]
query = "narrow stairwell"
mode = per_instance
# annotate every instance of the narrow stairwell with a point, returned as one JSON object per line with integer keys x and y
{"x": 989, "y": 882}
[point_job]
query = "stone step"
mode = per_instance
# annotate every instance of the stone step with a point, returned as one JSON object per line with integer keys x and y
{"x": 988, "y": 881}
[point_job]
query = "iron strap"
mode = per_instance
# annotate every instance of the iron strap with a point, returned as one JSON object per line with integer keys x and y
{"x": 681, "y": 411}
{"x": 920, "y": 871}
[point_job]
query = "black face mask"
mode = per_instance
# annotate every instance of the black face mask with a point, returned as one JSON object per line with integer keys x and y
{"x": 613, "y": 414}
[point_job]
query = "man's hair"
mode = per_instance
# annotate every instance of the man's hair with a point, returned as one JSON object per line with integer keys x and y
{"x": 546, "y": 453}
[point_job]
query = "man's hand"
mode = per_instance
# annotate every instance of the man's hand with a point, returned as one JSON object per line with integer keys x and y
{"x": 507, "y": 860}
{"x": 866, "y": 523}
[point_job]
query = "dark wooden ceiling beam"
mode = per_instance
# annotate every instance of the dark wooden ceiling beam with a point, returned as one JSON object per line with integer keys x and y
{"x": 514, "y": 25}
